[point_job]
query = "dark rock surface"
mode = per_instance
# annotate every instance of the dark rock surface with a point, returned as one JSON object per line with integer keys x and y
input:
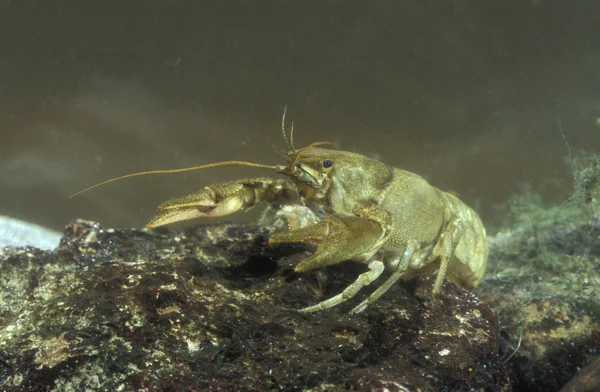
{"x": 215, "y": 308}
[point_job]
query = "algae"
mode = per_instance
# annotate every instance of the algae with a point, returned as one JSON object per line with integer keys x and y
{"x": 543, "y": 279}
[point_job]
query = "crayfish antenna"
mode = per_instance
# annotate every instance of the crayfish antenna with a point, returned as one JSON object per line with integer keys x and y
{"x": 287, "y": 141}
{"x": 292, "y": 137}
{"x": 278, "y": 149}
{"x": 185, "y": 169}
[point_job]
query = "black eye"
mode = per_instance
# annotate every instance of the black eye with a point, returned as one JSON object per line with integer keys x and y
{"x": 327, "y": 163}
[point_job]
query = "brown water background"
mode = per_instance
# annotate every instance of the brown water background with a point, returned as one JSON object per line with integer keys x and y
{"x": 468, "y": 93}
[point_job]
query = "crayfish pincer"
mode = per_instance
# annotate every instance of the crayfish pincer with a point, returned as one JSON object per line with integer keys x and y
{"x": 351, "y": 207}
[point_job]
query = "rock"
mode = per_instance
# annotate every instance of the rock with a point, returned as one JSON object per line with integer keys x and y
{"x": 215, "y": 308}
{"x": 588, "y": 380}
{"x": 544, "y": 282}
{"x": 16, "y": 232}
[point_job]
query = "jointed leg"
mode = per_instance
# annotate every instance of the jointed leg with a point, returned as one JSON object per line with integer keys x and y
{"x": 223, "y": 199}
{"x": 339, "y": 238}
{"x": 375, "y": 270}
{"x": 445, "y": 248}
{"x": 401, "y": 267}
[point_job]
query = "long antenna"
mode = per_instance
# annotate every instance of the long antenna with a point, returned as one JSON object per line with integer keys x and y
{"x": 292, "y": 137}
{"x": 287, "y": 141}
{"x": 186, "y": 169}
{"x": 278, "y": 149}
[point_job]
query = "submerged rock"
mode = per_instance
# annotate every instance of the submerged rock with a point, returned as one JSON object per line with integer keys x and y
{"x": 215, "y": 308}
{"x": 544, "y": 282}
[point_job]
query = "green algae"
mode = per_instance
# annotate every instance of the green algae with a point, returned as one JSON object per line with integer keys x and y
{"x": 543, "y": 279}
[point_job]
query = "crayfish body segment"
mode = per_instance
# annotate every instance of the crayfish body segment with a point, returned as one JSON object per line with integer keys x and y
{"x": 352, "y": 207}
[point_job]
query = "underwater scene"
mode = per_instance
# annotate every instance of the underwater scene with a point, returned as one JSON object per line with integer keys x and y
{"x": 300, "y": 195}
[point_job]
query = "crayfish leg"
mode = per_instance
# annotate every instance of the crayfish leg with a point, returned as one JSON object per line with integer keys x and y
{"x": 445, "y": 249}
{"x": 376, "y": 268}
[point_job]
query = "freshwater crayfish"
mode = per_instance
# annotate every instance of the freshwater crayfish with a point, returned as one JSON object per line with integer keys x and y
{"x": 350, "y": 207}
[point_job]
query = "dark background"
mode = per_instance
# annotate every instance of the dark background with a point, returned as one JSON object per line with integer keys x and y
{"x": 467, "y": 93}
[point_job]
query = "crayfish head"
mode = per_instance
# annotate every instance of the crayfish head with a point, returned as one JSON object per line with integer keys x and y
{"x": 342, "y": 179}
{"x": 310, "y": 166}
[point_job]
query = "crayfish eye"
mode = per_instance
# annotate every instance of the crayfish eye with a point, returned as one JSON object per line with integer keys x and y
{"x": 327, "y": 163}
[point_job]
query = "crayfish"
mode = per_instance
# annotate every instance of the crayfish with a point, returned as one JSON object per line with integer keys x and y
{"x": 351, "y": 207}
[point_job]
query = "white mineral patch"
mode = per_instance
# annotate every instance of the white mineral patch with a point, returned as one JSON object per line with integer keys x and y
{"x": 15, "y": 232}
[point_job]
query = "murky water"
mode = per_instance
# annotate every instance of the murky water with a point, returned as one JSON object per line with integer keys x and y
{"x": 469, "y": 94}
